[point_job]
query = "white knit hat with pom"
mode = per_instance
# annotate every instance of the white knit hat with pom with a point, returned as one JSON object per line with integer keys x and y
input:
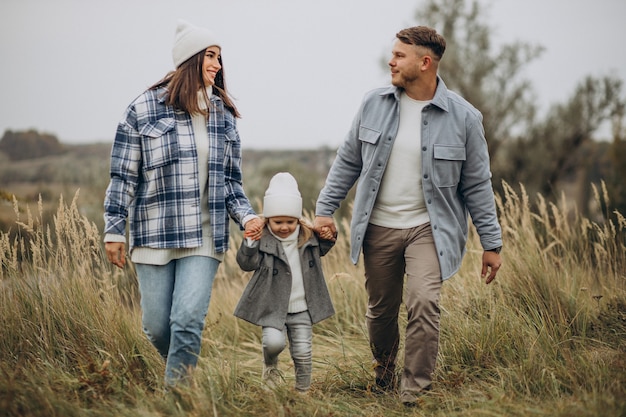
{"x": 189, "y": 40}
{"x": 282, "y": 197}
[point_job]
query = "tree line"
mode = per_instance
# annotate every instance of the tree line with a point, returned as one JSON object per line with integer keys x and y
{"x": 550, "y": 153}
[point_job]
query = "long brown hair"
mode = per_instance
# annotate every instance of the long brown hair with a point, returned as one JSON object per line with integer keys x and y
{"x": 184, "y": 83}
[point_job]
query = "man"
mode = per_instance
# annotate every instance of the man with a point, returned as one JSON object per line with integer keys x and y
{"x": 420, "y": 157}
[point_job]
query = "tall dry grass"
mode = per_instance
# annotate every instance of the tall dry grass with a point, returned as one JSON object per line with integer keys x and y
{"x": 546, "y": 339}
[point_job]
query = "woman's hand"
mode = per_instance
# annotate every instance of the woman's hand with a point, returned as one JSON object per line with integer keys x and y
{"x": 116, "y": 253}
{"x": 253, "y": 228}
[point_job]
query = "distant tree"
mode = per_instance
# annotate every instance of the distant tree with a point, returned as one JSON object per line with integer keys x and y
{"x": 559, "y": 146}
{"x": 540, "y": 154}
{"x": 29, "y": 144}
{"x": 616, "y": 177}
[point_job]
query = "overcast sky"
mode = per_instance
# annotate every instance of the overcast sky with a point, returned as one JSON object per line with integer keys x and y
{"x": 297, "y": 69}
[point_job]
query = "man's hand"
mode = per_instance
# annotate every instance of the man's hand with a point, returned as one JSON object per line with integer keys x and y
{"x": 327, "y": 234}
{"x": 491, "y": 264}
{"x": 116, "y": 253}
{"x": 325, "y": 227}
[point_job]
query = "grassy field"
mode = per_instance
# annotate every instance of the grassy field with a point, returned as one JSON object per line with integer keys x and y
{"x": 548, "y": 338}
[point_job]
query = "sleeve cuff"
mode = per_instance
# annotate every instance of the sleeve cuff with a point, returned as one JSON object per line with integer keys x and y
{"x": 247, "y": 218}
{"x": 251, "y": 243}
{"x": 112, "y": 237}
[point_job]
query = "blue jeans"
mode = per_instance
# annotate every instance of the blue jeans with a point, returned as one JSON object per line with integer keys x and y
{"x": 174, "y": 301}
{"x": 300, "y": 333}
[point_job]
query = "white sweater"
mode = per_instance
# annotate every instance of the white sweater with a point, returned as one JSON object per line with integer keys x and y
{"x": 297, "y": 300}
{"x": 400, "y": 201}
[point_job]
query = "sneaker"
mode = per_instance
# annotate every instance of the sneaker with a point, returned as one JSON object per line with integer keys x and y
{"x": 388, "y": 382}
{"x": 386, "y": 379}
{"x": 410, "y": 404}
{"x": 272, "y": 376}
{"x": 413, "y": 399}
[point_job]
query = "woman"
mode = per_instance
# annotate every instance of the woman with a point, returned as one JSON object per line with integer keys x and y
{"x": 176, "y": 177}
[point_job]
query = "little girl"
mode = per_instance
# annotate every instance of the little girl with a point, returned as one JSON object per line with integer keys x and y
{"x": 287, "y": 293}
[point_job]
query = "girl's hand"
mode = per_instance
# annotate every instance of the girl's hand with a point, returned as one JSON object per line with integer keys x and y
{"x": 323, "y": 223}
{"x": 326, "y": 233}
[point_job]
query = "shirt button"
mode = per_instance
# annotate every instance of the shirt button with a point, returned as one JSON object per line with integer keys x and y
{"x": 426, "y": 176}
{"x": 425, "y": 122}
{"x": 423, "y": 148}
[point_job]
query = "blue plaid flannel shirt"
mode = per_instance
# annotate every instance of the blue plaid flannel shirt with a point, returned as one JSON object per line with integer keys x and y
{"x": 154, "y": 176}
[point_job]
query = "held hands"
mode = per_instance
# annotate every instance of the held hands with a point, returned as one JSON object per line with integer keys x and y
{"x": 326, "y": 234}
{"x": 253, "y": 229}
{"x": 116, "y": 253}
{"x": 325, "y": 228}
{"x": 491, "y": 264}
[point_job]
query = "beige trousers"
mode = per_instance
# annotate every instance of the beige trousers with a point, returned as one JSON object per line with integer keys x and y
{"x": 389, "y": 255}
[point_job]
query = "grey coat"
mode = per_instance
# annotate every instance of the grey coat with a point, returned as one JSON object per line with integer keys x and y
{"x": 265, "y": 300}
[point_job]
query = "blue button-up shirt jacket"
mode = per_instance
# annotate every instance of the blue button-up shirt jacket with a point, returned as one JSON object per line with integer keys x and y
{"x": 456, "y": 176}
{"x": 154, "y": 176}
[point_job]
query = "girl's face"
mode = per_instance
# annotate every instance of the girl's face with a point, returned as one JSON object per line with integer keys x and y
{"x": 282, "y": 226}
{"x": 211, "y": 65}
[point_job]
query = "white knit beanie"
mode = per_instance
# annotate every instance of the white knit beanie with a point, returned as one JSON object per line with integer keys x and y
{"x": 282, "y": 197}
{"x": 189, "y": 40}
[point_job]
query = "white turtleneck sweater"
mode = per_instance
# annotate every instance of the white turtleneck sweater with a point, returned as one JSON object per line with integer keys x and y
{"x": 400, "y": 201}
{"x": 297, "y": 300}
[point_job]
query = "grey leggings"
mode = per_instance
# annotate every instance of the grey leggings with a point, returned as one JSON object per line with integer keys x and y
{"x": 299, "y": 330}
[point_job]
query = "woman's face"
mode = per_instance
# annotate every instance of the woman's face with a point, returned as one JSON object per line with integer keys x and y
{"x": 211, "y": 65}
{"x": 282, "y": 226}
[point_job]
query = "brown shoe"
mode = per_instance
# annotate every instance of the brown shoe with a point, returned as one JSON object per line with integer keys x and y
{"x": 386, "y": 378}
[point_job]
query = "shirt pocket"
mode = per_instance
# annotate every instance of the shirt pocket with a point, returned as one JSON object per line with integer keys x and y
{"x": 368, "y": 138}
{"x": 448, "y": 161}
{"x": 159, "y": 143}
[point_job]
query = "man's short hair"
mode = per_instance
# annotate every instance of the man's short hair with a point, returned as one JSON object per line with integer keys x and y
{"x": 425, "y": 37}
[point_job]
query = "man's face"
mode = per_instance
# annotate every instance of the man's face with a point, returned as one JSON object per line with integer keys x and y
{"x": 404, "y": 64}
